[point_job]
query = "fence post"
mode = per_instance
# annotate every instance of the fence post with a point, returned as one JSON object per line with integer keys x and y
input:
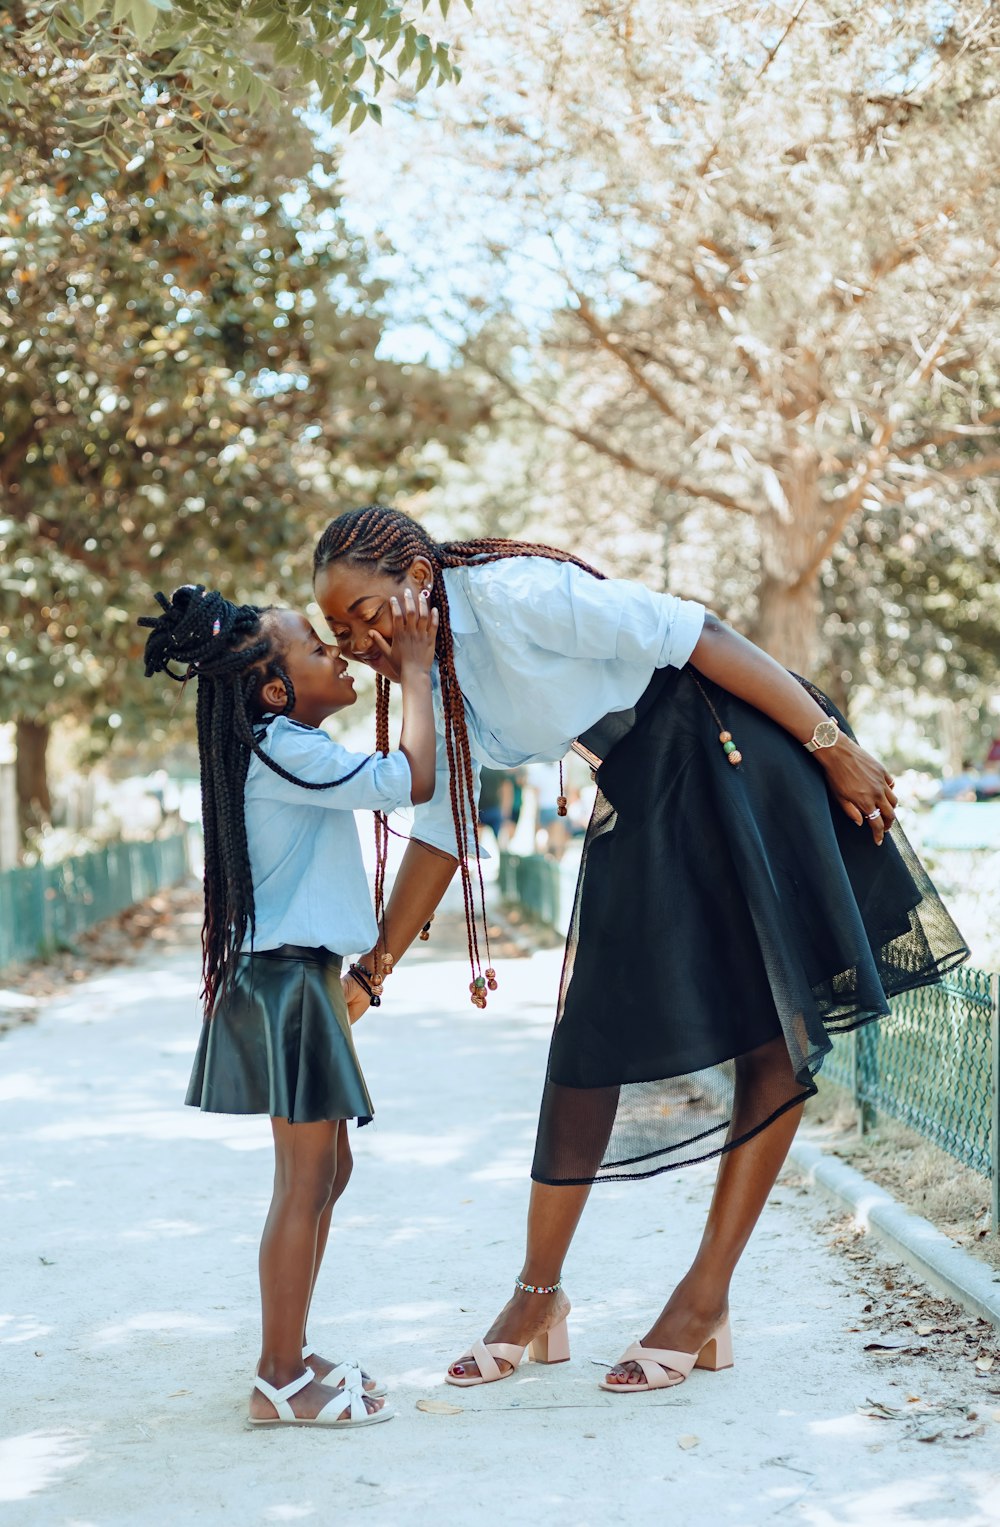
{"x": 860, "y": 1038}
{"x": 995, "y": 1103}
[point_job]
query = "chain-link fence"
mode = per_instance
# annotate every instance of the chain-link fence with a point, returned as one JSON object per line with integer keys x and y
{"x": 934, "y": 1065}
{"x": 44, "y": 906}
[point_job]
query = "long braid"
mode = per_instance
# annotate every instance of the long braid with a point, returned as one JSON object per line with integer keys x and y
{"x": 231, "y": 652}
{"x": 390, "y": 540}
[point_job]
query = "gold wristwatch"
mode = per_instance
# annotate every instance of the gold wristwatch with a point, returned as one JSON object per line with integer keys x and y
{"x": 824, "y": 736}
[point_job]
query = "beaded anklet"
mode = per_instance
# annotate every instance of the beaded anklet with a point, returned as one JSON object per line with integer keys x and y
{"x": 540, "y": 1288}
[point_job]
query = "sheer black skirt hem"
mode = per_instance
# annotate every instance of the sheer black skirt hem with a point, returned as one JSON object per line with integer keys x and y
{"x": 727, "y": 922}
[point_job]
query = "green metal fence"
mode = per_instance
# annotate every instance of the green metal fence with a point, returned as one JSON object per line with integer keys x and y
{"x": 934, "y": 1066}
{"x": 45, "y": 906}
{"x": 533, "y": 882}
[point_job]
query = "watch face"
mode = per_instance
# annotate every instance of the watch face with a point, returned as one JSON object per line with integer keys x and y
{"x": 826, "y": 734}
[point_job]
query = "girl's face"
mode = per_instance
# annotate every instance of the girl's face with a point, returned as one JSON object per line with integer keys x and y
{"x": 318, "y": 673}
{"x": 355, "y": 602}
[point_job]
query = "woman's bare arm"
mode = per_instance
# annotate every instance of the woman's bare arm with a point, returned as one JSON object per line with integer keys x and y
{"x": 858, "y": 781}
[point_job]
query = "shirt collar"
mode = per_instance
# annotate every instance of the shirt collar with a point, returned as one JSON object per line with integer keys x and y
{"x": 462, "y": 616}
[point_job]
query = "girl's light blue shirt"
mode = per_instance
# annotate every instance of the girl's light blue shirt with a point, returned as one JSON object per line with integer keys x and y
{"x": 309, "y": 881}
{"x": 543, "y": 650}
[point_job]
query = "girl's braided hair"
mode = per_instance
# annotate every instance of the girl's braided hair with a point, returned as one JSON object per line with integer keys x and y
{"x": 387, "y": 540}
{"x": 231, "y": 651}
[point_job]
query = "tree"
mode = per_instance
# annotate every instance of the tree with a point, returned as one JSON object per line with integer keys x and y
{"x": 190, "y": 388}
{"x": 767, "y": 239}
{"x": 171, "y": 70}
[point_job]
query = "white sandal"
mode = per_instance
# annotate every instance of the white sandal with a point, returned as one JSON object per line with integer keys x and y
{"x": 338, "y": 1374}
{"x": 351, "y": 1397}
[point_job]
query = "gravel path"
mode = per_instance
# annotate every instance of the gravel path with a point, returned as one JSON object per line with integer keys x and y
{"x": 128, "y": 1302}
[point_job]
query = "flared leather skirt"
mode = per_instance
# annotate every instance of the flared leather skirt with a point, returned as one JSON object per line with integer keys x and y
{"x": 279, "y": 1042}
{"x": 727, "y": 920}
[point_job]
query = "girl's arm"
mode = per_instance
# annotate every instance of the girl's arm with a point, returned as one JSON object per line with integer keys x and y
{"x": 858, "y": 781}
{"x": 423, "y": 876}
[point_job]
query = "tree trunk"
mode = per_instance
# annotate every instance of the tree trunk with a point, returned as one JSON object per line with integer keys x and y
{"x": 789, "y": 608}
{"x": 34, "y": 805}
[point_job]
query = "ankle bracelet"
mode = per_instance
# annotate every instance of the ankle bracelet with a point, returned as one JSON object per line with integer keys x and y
{"x": 538, "y": 1288}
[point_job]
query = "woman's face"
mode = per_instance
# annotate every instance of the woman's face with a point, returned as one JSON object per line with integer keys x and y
{"x": 355, "y": 603}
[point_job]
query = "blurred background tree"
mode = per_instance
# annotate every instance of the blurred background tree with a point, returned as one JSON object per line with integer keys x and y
{"x": 736, "y": 270}
{"x": 171, "y": 69}
{"x": 190, "y": 386}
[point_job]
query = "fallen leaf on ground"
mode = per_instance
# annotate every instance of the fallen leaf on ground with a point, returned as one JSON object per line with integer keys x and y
{"x": 439, "y": 1408}
{"x": 924, "y": 1330}
{"x": 879, "y": 1411}
{"x": 177, "y": 1394}
{"x": 688, "y": 1441}
{"x": 984, "y": 1363}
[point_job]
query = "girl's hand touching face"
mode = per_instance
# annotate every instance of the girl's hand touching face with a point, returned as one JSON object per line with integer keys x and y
{"x": 414, "y": 635}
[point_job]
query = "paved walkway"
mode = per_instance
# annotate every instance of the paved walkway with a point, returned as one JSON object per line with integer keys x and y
{"x": 128, "y": 1303}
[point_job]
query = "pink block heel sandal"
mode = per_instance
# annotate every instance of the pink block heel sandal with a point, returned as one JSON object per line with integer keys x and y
{"x": 663, "y": 1369}
{"x": 551, "y": 1347}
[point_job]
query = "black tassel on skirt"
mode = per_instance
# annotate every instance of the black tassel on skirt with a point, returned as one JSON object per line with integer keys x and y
{"x": 727, "y": 920}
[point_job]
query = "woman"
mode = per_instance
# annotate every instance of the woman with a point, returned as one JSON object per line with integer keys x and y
{"x": 738, "y": 897}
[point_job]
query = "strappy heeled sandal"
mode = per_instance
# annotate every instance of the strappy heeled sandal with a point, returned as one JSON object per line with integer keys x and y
{"x": 663, "y": 1369}
{"x": 338, "y": 1373}
{"x": 551, "y": 1347}
{"x": 350, "y": 1398}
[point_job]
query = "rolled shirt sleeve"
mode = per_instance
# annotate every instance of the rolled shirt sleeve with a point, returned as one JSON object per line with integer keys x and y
{"x": 381, "y": 784}
{"x": 561, "y": 608}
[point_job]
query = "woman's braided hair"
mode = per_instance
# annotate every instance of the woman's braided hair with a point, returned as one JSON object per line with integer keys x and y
{"x": 232, "y": 653}
{"x": 388, "y": 540}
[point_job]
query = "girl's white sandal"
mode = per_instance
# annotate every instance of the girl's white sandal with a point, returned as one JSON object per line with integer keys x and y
{"x": 352, "y": 1396}
{"x": 336, "y": 1375}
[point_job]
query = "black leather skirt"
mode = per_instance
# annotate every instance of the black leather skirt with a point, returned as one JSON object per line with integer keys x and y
{"x": 279, "y": 1042}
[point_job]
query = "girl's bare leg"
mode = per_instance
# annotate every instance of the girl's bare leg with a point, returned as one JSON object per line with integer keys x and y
{"x": 342, "y": 1176}
{"x": 746, "y": 1176}
{"x": 305, "y": 1165}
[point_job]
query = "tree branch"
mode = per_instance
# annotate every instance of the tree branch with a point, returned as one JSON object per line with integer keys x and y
{"x": 671, "y": 481}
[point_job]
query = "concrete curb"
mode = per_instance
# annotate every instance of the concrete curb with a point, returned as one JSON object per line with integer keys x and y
{"x": 943, "y": 1265}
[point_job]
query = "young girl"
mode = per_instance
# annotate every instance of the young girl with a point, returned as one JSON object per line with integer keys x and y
{"x": 285, "y": 897}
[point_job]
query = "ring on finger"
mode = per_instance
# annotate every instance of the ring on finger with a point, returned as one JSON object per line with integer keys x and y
{"x": 872, "y": 816}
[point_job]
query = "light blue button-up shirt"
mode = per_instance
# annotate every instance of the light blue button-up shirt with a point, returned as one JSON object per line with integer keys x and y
{"x": 309, "y": 881}
{"x": 543, "y": 650}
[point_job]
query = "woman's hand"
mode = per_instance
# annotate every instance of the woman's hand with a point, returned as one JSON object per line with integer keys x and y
{"x": 357, "y": 999}
{"x": 414, "y": 635}
{"x": 861, "y": 785}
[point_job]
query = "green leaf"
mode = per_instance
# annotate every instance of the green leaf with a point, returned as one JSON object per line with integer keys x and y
{"x": 423, "y": 42}
{"x": 425, "y": 71}
{"x": 340, "y": 110}
{"x": 374, "y": 110}
{"x": 356, "y": 70}
{"x": 358, "y": 48}
{"x": 358, "y": 116}
{"x": 92, "y": 8}
{"x": 144, "y": 16}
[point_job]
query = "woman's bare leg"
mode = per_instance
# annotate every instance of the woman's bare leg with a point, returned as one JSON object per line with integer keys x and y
{"x": 553, "y": 1215}
{"x": 746, "y": 1176}
{"x": 305, "y": 1161}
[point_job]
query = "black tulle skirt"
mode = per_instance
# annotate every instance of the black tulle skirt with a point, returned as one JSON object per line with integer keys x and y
{"x": 726, "y": 922}
{"x": 279, "y": 1042}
